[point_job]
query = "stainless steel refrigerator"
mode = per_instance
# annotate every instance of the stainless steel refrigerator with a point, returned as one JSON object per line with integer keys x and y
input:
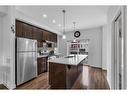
{"x": 26, "y": 60}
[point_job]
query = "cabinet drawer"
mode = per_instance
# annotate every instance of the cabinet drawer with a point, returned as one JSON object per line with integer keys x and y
{"x": 41, "y": 65}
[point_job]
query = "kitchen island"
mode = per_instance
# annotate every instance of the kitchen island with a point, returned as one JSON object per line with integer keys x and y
{"x": 63, "y": 72}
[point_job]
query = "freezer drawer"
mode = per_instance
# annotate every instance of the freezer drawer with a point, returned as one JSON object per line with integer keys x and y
{"x": 26, "y": 66}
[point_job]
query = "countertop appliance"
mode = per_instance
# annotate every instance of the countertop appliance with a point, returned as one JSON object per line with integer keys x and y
{"x": 26, "y": 61}
{"x": 50, "y": 44}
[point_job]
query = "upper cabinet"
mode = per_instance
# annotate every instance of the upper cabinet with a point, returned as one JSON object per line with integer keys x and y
{"x": 39, "y": 36}
{"x": 49, "y": 36}
{"x": 19, "y": 31}
{"x": 27, "y": 31}
{"x": 45, "y": 35}
{"x": 24, "y": 30}
{"x": 54, "y": 37}
{"x": 32, "y": 32}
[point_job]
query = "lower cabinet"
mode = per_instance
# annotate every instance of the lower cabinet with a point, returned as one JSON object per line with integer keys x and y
{"x": 41, "y": 65}
{"x": 62, "y": 76}
{"x": 71, "y": 75}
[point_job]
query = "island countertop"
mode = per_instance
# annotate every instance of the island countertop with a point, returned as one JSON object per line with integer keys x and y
{"x": 69, "y": 60}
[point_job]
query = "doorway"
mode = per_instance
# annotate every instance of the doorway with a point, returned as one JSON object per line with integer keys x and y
{"x": 118, "y": 52}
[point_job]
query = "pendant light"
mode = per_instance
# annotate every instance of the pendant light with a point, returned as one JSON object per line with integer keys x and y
{"x": 74, "y": 40}
{"x": 64, "y": 36}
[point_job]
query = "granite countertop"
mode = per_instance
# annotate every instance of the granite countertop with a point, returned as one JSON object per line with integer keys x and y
{"x": 56, "y": 54}
{"x": 69, "y": 60}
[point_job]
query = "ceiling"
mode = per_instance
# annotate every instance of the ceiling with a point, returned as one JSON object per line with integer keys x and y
{"x": 84, "y": 16}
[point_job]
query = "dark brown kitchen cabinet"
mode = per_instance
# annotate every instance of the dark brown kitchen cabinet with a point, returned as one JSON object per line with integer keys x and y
{"x": 32, "y": 32}
{"x": 19, "y": 32}
{"x": 46, "y": 36}
{"x": 49, "y": 36}
{"x": 41, "y": 65}
{"x": 62, "y": 76}
{"x": 27, "y": 31}
{"x": 35, "y": 29}
{"x": 40, "y": 35}
{"x": 55, "y": 38}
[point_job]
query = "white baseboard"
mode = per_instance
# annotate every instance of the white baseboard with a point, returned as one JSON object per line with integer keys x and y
{"x": 8, "y": 85}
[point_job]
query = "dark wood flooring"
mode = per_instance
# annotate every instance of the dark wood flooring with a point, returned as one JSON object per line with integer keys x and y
{"x": 90, "y": 78}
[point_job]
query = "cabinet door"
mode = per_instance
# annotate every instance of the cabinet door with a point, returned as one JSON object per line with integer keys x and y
{"x": 55, "y": 38}
{"x": 45, "y": 64}
{"x": 41, "y": 35}
{"x": 52, "y": 37}
{"x": 71, "y": 74}
{"x": 41, "y": 65}
{"x": 30, "y": 31}
{"x": 19, "y": 32}
{"x": 34, "y": 29}
{"x": 27, "y": 30}
{"x": 45, "y": 35}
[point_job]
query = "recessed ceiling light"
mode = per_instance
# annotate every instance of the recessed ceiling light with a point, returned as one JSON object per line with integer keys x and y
{"x": 44, "y": 16}
{"x": 53, "y": 21}
{"x": 59, "y": 25}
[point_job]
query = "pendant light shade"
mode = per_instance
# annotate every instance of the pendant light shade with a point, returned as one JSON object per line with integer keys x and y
{"x": 64, "y": 36}
{"x": 74, "y": 40}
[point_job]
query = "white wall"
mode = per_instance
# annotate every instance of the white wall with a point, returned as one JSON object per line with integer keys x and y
{"x": 95, "y": 45}
{"x": 3, "y": 10}
{"x": 9, "y": 48}
{"x": 104, "y": 47}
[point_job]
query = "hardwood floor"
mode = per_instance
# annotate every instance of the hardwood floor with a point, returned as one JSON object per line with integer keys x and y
{"x": 90, "y": 78}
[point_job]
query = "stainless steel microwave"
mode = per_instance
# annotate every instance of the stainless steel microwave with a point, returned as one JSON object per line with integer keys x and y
{"x": 51, "y": 44}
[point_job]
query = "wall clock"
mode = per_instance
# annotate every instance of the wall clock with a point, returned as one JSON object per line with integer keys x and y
{"x": 77, "y": 34}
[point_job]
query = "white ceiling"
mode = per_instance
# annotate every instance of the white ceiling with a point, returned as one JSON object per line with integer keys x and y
{"x": 84, "y": 16}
